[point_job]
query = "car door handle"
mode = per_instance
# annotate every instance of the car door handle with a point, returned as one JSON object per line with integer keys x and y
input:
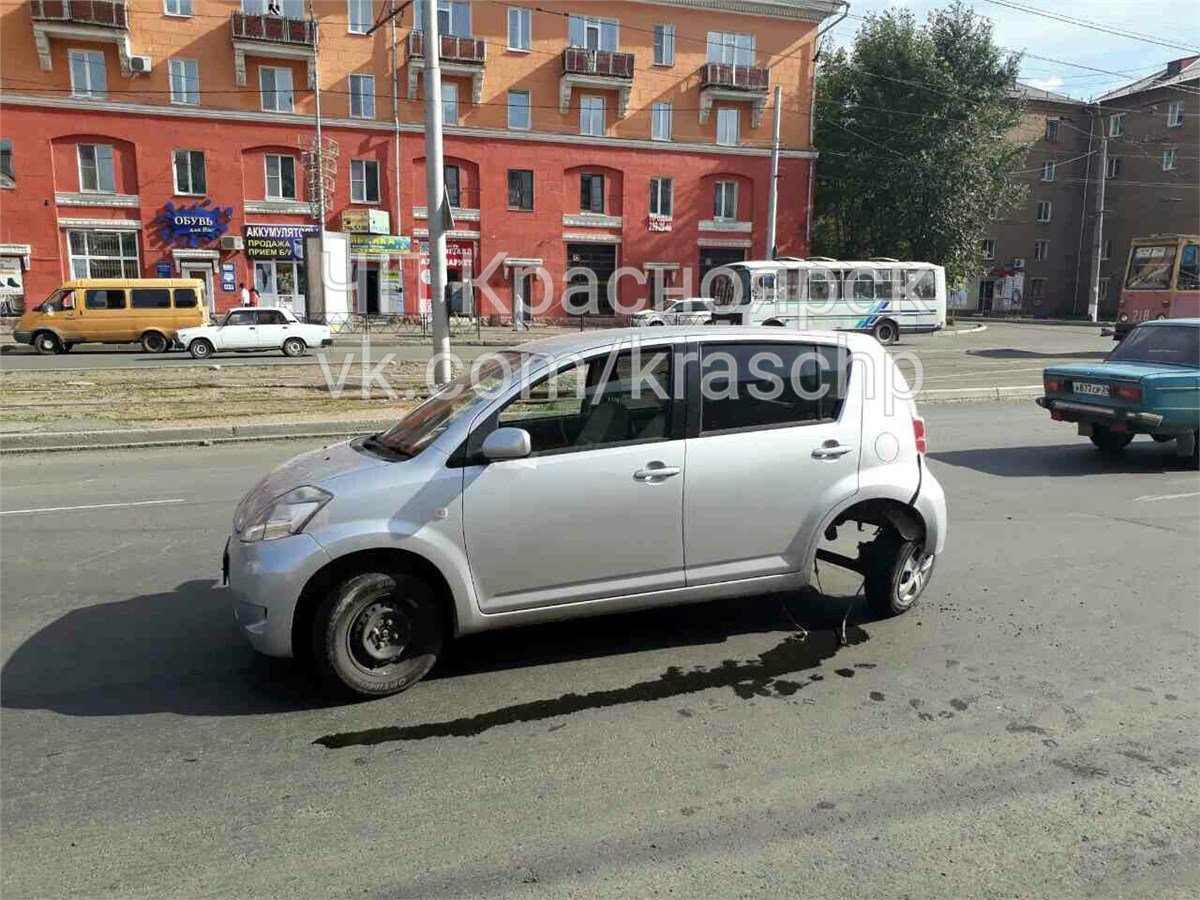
{"x": 831, "y": 450}
{"x": 656, "y": 470}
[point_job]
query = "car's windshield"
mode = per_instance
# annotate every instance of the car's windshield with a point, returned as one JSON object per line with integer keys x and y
{"x": 1174, "y": 344}
{"x": 425, "y": 423}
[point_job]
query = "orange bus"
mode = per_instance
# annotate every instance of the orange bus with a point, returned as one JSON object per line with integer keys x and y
{"x": 1162, "y": 280}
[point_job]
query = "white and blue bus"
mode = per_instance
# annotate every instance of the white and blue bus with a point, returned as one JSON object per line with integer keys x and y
{"x": 880, "y": 296}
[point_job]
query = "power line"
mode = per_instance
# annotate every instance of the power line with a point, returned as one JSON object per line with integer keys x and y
{"x": 1094, "y": 26}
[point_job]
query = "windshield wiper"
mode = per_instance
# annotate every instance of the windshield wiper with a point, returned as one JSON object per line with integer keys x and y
{"x": 373, "y": 443}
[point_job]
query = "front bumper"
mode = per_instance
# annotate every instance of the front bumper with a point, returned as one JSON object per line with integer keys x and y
{"x": 328, "y": 342}
{"x": 23, "y": 337}
{"x": 1090, "y": 413}
{"x": 266, "y": 579}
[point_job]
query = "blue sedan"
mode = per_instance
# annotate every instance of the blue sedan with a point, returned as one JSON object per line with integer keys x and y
{"x": 1149, "y": 384}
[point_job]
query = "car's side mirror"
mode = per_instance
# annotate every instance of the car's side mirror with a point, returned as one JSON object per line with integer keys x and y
{"x": 507, "y": 443}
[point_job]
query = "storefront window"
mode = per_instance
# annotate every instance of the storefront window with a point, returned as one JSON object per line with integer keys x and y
{"x": 103, "y": 254}
{"x": 280, "y": 283}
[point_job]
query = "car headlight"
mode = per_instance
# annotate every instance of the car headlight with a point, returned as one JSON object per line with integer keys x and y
{"x": 287, "y": 514}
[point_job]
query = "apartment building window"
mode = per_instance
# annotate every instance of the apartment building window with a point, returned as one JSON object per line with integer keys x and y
{"x": 189, "y": 173}
{"x": 520, "y": 189}
{"x": 1113, "y": 169}
{"x": 520, "y": 28}
{"x": 725, "y": 201}
{"x": 288, "y": 9}
{"x": 1116, "y": 125}
{"x": 452, "y": 176}
{"x": 664, "y": 45}
{"x": 275, "y": 88}
{"x": 591, "y": 115}
{"x": 103, "y": 254}
{"x": 87, "y": 74}
{"x": 1040, "y": 249}
{"x": 364, "y": 181}
{"x": 987, "y": 248}
{"x": 1175, "y": 114}
{"x": 1043, "y": 211}
{"x": 178, "y": 7}
{"x": 454, "y": 17}
{"x": 519, "y": 112}
{"x": 1170, "y": 155}
{"x": 361, "y": 16}
{"x": 1106, "y": 250}
{"x": 1048, "y": 170}
{"x": 731, "y": 48}
{"x": 660, "y": 121}
{"x": 1052, "y": 126}
{"x": 591, "y": 193}
{"x": 281, "y": 177}
{"x": 362, "y": 96}
{"x": 1037, "y": 290}
{"x": 97, "y": 175}
{"x": 185, "y": 81}
{"x": 727, "y": 126}
{"x": 593, "y": 33}
{"x": 8, "y": 175}
{"x": 449, "y": 103}
{"x": 661, "y": 196}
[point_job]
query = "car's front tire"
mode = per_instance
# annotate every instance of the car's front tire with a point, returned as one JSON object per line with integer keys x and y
{"x": 377, "y": 633}
{"x": 1109, "y": 441}
{"x": 294, "y": 346}
{"x": 897, "y": 573}
{"x": 47, "y": 343}
{"x": 201, "y": 348}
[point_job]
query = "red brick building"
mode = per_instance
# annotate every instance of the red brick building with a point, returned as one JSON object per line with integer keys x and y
{"x": 169, "y": 137}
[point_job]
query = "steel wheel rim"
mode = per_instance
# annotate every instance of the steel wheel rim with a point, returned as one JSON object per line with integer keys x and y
{"x": 379, "y": 635}
{"x": 914, "y": 575}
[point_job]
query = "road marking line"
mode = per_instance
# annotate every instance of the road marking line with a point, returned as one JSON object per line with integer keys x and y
{"x": 1150, "y": 499}
{"x": 46, "y": 509}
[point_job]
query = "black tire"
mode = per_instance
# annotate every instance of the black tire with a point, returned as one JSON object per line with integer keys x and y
{"x": 201, "y": 348}
{"x": 773, "y": 323}
{"x": 294, "y": 346}
{"x": 1109, "y": 441}
{"x": 67, "y": 348}
{"x": 155, "y": 342}
{"x": 1162, "y": 438}
{"x": 886, "y": 332}
{"x": 656, "y": 324}
{"x": 898, "y": 571}
{"x": 47, "y": 343}
{"x": 377, "y": 633}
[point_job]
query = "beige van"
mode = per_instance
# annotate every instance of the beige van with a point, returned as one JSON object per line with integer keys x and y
{"x": 114, "y": 311}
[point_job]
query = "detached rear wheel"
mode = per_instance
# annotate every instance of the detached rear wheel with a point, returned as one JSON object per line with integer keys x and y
{"x": 1109, "y": 441}
{"x": 377, "y": 633}
{"x": 898, "y": 571}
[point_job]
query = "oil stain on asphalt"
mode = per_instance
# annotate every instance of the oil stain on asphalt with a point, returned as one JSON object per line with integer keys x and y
{"x": 748, "y": 678}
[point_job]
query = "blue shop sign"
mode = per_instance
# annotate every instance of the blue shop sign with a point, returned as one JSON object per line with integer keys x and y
{"x": 192, "y": 225}
{"x": 162, "y": 269}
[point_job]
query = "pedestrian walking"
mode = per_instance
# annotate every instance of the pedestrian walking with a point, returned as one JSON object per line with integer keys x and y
{"x": 254, "y": 296}
{"x": 245, "y": 294}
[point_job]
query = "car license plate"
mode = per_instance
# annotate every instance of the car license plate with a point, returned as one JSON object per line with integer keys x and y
{"x": 1091, "y": 388}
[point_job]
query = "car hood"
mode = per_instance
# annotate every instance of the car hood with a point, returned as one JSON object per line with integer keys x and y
{"x": 314, "y": 467}
{"x": 1116, "y": 370}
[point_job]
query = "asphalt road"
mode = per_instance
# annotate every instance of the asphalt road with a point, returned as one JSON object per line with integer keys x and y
{"x": 1031, "y": 730}
{"x": 1003, "y": 354}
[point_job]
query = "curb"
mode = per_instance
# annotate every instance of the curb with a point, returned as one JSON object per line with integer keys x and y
{"x": 964, "y": 395}
{"x": 955, "y": 332}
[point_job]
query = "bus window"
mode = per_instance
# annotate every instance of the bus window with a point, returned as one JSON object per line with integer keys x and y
{"x": 885, "y": 287}
{"x": 820, "y": 285}
{"x": 922, "y": 284}
{"x": 764, "y": 287}
{"x": 864, "y": 287}
{"x": 1150, "y": 268}
{"x": 793, "y": 284}
{"x": 1189, "y": 268}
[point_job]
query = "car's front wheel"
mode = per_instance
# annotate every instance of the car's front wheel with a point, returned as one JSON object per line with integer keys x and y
{"x": 47, "y": 342}
{"x": 201, "y": 348}
{"x": 897, "y": 573}
{"x": 378, "y": 632}
{"x": 1109, "y": 441}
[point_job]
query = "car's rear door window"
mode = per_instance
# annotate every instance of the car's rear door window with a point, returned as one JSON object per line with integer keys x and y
{"x": 770, "y": 385}
{"x": 185, "y": 298}
{"x": 150, "y": 298}
{"x": 104, "y": 298}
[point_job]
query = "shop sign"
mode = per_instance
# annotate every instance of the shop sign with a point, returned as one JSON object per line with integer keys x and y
{"x": 12, "y": 280}
{"x": 228, "y": 277}
{"x": 192, "y": 225}
{"x": 277, "y": 241}
{"x": 162, "y": 270}
{"x": 366, "y": 221}
{"x": 379, "y": 244}
{"x": 661, "y": 223}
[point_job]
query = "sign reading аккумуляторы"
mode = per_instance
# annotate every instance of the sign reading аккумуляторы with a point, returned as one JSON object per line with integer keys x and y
{"x": 277, "y": 241}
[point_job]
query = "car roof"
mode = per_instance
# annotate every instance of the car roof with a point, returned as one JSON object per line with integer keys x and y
{"x": 586, "y": 341}
{"x": 1160, "y": 323}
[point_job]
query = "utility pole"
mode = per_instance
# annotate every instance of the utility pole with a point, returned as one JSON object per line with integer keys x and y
{"x": 773, "y": 196}
{"x": 396, "y": 136}
{"x": 1098, "y": 232}
{"x": 435, "y": 190}
{"x": 320, "y": 155}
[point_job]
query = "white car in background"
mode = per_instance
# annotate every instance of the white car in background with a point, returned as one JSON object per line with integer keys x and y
{"x": 693, "y": 311}
{"x": 248, "y": 329}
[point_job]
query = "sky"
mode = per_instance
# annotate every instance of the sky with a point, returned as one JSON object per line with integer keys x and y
{"x": 1173, "y": 21}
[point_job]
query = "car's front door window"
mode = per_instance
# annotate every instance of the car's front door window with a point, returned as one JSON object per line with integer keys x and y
{"x": 240, "y": 317}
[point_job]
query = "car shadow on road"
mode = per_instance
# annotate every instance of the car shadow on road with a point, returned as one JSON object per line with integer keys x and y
{"x": 1142, "y": 456}
{"x": 180, "y": 651}
{"x": 1013, "y": 353}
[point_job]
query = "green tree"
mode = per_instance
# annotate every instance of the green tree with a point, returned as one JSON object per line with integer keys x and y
{"x": 911, "y": 127}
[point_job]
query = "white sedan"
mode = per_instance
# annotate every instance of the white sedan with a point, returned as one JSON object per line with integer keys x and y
{"x": 254, "y": 329}
{"x": 693, "y": 311}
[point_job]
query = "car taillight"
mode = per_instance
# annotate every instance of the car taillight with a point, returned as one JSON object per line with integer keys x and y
{"x": 1052, "y": 384}
{"x": 1124, "y": 317}
{"x": 919, "y": 433}
{"x": 1130, "y": 392}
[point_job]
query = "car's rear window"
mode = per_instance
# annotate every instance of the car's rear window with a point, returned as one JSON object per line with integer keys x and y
{"x": 1177, "y": 345}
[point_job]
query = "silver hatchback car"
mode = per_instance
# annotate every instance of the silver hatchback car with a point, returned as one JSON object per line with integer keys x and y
{"x": 589, "y": 474}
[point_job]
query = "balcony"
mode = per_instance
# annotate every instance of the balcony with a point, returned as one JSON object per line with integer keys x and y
{"x": 278, "y": 37}
{"x": 604, "y": 69}
{"x": 105, "y": 21}
{"x": 459, "y": 55}
{"x": 726, "y": 81}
